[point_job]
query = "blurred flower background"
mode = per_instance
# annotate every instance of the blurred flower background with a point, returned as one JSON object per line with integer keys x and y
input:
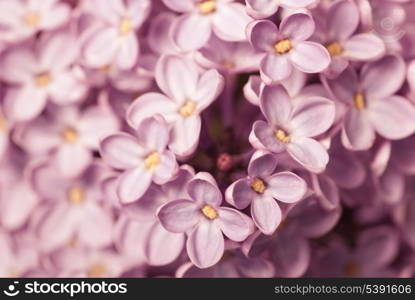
{"x": 207, "y": 138}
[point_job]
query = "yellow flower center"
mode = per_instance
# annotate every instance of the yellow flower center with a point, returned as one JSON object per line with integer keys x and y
{"x": 70, "y": 135}
{"x": 207, "y": 7}
{"x": 351, "y": 269}
{"x": 97, "y": 270}
{"x": 282, "y": 136}
{"x": 187, "y": 109}
{"x": 125, "y": 26}
{"x": 76, "y": 195}
{"x": 283, "y": 46}
{"x": 42, "y": 79}
{"x": 258, "y": 186}
{"x": 359, "y": 101}
{"x": 209, "y": 212}
{"x": 152, "y": 161}
{"x": 31, "y": 19}
{"x": 334, "y": 49}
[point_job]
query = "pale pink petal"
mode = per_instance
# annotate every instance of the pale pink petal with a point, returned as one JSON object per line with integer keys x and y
{"x": 191, "y": 31}
{"x": 161, "y": 246}
{"x": 203, "y": 189}
{"x": 276, "y": 104}
{"x": 262, "y": 35}
{"x": 286, "y": 187}
{"x": 58, "y": 52}
{"x": 262, "y": 164}
{"x": 177, "y": 76}
{"x": 121, "y": 151}
{"x": 298, "y": 27}
{"x": 180, "y": 5}
{"x": 275, "y": 68}
{"x": 18, "y": 66}
{"x": 72, "y": 159}
{"x": 343, "y": 19}
{"x": 234, "y": 224}
{"x": 312, "y": 116}
{"x": 179, "y": 216}
{"x": 240, "y": 194}
{"x": 261, "y": 9}
{"x": 127, "y": 53}
{"x": 266, "y": 136}
{"x": 310, "y": 57}
{"x": 309, "y": 153}
{"x": 345, "y": 86}
{"x": 266, "y": 214}
{"x": 364, "y": 46}
{"x": 205, "y": 245}
{"x": 383, "y": 77}
{"x": 25, "y": 103}
{"x": 153, "y": 134}
{"x": 133, "y": 184}
{"x": 101, "y": 49}
{"x": 358, "y": 130}
{"x": 149, "y": 105}
{"x": 185, "y": 135}
{"x": 209, "y": 87}
{"x": 230, "y": 21}
{"x": 95, "y": 226}
{"x": 167, "y": 168}
{"x": 393, "y": 117}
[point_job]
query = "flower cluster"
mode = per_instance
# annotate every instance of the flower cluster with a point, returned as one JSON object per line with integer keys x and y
{"x": 207, "y": 138}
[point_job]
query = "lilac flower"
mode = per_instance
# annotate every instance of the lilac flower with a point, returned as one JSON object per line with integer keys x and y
{"x": 143, "y": 158}
{"x": 292, "y": 129}
{"x": 193, "y": 29}
{"x": 112, "y": 40}
{"x": 73, "y": 210}
{"x": 24, "y": 18}
{"x": 205, "y": 220}
{"x": 262, "y": 187}
{"x": 287, "y": 47}
{"x": 70, "y": 135}
{"x": 188, "y": 94}
{"x": 143, "y": 215}
{"x": 261, "y": 9}
{"x": 39, "y": 75}
{"x": 372, "y": 106}
{"x": 341, "y": 42}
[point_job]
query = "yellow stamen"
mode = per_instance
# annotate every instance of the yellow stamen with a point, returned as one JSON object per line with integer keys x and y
{"x": 209, "y": 212}
{"x": 187, "y": 109}
{"x": 125, "y": 27}
{"x": 359, "y": 101}
{"x": 207, "y": 7}
{"x": 42, "y": 79}
{"x": 97, "y": 270}
{"x": 351, "y": 269}
{"x": 70, "y": 135}
{"x": 76, "y": 195}
{"x": 282, "y": 136}
{"x": 334, "y": 49}
{"x": 258, "y": 186}
{"x": 31, "y": 19}
{"x": 283, "y": 46}
{"x": 105, "y": 69}
{"x": 152, "y": 161}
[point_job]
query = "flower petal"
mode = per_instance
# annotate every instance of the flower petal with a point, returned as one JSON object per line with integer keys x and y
{"x": 234, "y": 224}
{"x": 310, "y": 57}
{"x": 275, "y": 68}
{"x": 358, "y": 130}
{"x": 343, "y": 19}
{"x": 179, "y": 216}
{"x": 205, "y": 245}
{"x": 393, "y": 117}
{"x": 276, "y": 104}
{"x": 203, "y": 189}
{"x": 309, "y": 153}
{"x": 191, "y": 31}
{"x": 230, "y": 21}
{"x": 266, "y": 136}
{"x": 312, "y": 117}
{"x": 266, "y": 214}
{"x": 286, "y": 187}
{"x": 262, "y": 35}
{"x": 364, "y": 46}
{"x": 240, "y": 194}
{"x": 298, "y": 27}
{"x": 121, "y": 151}
{"x": 133, "y": 184}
